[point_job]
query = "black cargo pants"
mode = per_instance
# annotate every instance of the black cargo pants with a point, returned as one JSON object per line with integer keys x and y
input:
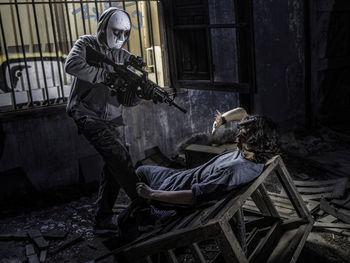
{"x": 118, "y": 170}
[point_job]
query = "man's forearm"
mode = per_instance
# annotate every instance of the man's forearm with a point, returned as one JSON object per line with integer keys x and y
{"x": 183, "y": 197}
{"x": 236, "y": 114}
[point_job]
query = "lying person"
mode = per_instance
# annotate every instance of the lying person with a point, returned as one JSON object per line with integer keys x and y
{"x": 257, "y": 141}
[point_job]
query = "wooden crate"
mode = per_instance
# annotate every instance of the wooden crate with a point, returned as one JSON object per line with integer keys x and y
{"x": 267, "y": 237}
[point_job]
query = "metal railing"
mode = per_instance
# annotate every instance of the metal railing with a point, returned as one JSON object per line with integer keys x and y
{"x": 36, "y": 37}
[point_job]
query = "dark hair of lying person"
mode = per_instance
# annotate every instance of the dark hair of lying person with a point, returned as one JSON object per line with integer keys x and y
{"x": 259, "y": 135}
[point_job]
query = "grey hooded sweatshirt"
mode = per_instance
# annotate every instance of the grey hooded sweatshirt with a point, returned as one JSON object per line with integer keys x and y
{"x": 89, "y": 95}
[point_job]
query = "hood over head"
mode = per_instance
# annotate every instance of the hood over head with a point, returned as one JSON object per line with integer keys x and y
{"x": 103, "y": 23}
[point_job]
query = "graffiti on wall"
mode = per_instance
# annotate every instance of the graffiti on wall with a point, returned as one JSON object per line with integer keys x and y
{"x": 95, "y": 15}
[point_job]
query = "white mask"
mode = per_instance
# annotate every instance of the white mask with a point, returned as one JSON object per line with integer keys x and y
{"x": 118, "y": 30}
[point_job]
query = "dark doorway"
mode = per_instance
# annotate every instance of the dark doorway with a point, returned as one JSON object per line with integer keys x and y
{"x": 330, "y": 63}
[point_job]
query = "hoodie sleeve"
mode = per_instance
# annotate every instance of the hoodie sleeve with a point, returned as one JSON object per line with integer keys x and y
{"x": 77, "y": 66}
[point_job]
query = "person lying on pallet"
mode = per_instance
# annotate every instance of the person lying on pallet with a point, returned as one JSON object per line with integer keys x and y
{"x": 257, "y": 141}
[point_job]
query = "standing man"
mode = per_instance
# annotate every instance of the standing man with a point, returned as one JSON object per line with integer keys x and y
{"x": 98, "y": 112}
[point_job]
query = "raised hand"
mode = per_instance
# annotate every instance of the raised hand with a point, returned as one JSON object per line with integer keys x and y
{"x": 217, "y": 122}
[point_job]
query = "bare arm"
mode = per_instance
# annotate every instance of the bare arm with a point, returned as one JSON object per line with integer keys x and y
{"x": 182, "y": 197}
{"x": 235, "y": 114}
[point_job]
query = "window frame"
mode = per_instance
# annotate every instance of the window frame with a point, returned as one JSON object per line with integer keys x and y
{"x": 245, "y": 52}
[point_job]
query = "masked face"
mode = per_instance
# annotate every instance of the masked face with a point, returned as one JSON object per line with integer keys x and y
{"x": 118, "y": 30}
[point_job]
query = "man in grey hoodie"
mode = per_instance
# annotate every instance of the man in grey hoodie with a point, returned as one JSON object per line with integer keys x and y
{"x": 97, "y": 111}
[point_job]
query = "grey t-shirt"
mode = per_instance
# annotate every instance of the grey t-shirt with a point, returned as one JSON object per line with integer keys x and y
{"x": 210, "y": 180}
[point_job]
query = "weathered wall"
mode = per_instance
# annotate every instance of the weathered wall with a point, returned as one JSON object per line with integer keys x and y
{"x": 48, "y": 150}
{"x": 279, "y": 45}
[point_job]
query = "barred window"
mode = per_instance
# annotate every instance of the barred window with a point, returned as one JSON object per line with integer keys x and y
{"x": 211, "y": 44}
{"x": 36, "y": 37}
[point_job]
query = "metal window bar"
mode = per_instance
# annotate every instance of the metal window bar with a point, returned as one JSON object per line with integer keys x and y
{"x": 97, "y": 13}
{"x": 24, "y": 54}
{"x": 56, "y": 48}
{"x": 150, "y": 32}
{"x": 82, "y": 16}
{"x": 8, "y": 64}
{"x": 139, "y": 27}
{"x": 68, "y": 33}
{"x": 41, "y": 53}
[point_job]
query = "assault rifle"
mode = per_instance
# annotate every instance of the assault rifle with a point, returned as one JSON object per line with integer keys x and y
{"x": 135, "y": 79}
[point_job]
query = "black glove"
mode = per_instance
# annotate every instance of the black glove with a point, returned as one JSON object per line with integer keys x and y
{"x": 156, "y": 97}
{"x": 147, "y": 90}
{"x": 110, "y": 79}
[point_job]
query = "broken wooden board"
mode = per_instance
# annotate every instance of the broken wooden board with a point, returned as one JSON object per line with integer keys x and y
{"x": 38, "y": 239}
{"x": 327, "y": 219}
{"x": 43, "y": 255}
{"x": 30, "y": 250}
{"x": 342, "y": 214}
{"x": 331, "y": 225}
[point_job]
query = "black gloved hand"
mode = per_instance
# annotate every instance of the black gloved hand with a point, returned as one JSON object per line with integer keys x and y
{"x": 110, "y": 79}
{"x": 156, "y": 97}
{"x": 147, "y": 91}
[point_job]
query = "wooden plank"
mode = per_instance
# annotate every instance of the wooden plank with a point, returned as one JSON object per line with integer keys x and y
{"x": 267, "y": 200}
{"x": 316, "y": 196}
{"x": 262, "y": 250}
{"x": 278, "y": 198}
{"x": 339, "y": 189}
{"x": 315, "y": 189}
{"x": 229, "y": 245}
{"x": 197, "y": 253}
{"x": 261, "y": 223}
{"x": 256, "y": 196}
{"x": 171, "y": 256}
{"x": 331, "y": 225}
{"x": 29, "y": 250}
{"x": 328, "y": 219}
{"x": 173, "y": 239}
{"x": 317, "y": 183}
{"x": 339, "y": 213}
{"x": 293, "y": 194}
{"x": 43, "y": 255}
{"x": 281, "y": 209}
{"x": 187, "y": 219}
{"x": 291, "y": 242}
{"x": 305, "y": 233}
{"x": 38, "y": 239}
{"x": 338, "y": 231}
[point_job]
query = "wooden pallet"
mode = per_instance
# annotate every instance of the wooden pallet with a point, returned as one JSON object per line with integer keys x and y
{"x": 265, "y": 237}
